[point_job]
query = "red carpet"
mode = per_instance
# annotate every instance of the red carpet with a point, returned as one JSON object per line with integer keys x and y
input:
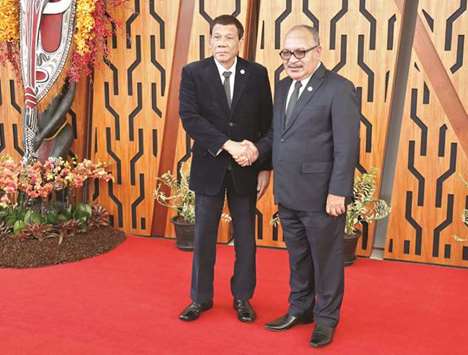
{"x": 127, "y": 302}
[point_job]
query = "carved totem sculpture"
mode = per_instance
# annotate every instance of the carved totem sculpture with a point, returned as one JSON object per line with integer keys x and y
{"x": 46, "y": 31}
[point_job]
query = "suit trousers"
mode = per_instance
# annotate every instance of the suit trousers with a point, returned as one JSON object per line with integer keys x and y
{"x": 208, "y": 211}
{"x": 314, "y": 242}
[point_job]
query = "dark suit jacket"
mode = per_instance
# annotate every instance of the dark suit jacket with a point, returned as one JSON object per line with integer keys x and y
{"x": 317, "y": 152}
{"x": 210, "y": 123}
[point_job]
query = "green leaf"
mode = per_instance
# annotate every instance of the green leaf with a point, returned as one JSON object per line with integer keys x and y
{"x": 3, "y": 212}
{"x": 82, "y": 212}
{"x": 11, "y": 219}
{"x": 62, "y": 217}
{"x": 32, "y": 217}
{"x": 52, "y": 217}
{"x": 18, "y": 226}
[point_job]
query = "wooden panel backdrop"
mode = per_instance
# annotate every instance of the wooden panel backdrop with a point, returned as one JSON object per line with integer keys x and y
{"x": 426, "y": 221}
{"x": 360, "y": 41}
{"x": 130, "y": 92}
{"x": 11, "y": 103}
{"x": 204, "y": 13}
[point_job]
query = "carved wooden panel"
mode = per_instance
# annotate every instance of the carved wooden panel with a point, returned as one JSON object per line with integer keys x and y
{"x": 128, "y": 110}
{"x": 11, "y": 104}
{"x": 204, "y": 13}
{"x": 359, "y": 40}
{"x": 426, "y": 221}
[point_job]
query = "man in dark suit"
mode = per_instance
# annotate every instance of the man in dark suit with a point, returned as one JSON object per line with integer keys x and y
{"x": 315, "y": 138}
{"x": 225, "y": 103}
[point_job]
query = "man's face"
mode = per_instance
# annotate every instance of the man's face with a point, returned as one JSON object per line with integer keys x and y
{"x": 225, "y": 44}
{"x": 299, "y": 69}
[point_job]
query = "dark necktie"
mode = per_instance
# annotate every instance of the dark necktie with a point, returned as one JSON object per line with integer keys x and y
{"x": 227, "y": 87}
{"x": 292, "y": 102}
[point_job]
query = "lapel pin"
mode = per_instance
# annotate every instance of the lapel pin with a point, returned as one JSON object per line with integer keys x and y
{"x": 309, "y": 88}
{"x": 242, "y": 71}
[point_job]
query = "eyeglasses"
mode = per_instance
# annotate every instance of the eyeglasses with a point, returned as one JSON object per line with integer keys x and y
{"x": 298, "y": 53}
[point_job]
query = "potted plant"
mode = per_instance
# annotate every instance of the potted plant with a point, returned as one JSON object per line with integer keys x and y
{"x": 182, "y": 200}
{"x": 364, "y": 208}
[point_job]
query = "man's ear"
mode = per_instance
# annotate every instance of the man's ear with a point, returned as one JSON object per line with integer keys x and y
{"x": 210, "y": 46}
{"x": 319, "y": 51}
{"x": 241, "y": 44}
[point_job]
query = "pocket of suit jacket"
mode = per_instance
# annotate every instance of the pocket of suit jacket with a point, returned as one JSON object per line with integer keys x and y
{"x": 317, "y": 167}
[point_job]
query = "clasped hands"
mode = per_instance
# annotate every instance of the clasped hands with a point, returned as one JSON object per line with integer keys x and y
{"x": 245, "y": 153}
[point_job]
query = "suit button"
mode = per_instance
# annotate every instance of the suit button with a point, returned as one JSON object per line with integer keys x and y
{"x": 231, "y": 124}
{"x": 282, "y": 140}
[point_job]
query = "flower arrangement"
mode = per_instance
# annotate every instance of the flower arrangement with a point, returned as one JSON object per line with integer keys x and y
{"x": 9, "y": 20}
{"x": 8, "y": 179}
{"x": 9, "y": 32}
{"x": 364, "y": 207}
{"x": 93, "y": 25}
{"x": 39, "y": 180}
{"x": 35, "y": 198}
{"x": 181, "y": 199}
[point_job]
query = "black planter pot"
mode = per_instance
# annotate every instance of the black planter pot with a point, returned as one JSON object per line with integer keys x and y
{"x": 184, "y": 234}
{"x": 349, "y": 247}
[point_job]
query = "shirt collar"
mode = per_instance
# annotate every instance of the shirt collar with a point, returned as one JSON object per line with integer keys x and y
{"x": 222, "y": 69}
{"x": 306, "y": 80}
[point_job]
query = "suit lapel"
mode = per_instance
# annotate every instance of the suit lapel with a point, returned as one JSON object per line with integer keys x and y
{"x": 216, "y": 86}
{"x": 309, "y": 91}
{"x": 242, "y": 76}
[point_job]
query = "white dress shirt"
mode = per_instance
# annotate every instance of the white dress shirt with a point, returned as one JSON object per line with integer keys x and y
{"x": 232, "y": 78}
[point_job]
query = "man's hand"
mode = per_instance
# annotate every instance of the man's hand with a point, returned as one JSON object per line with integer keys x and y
{"x": 245, "y": 153}
{"x": 335, "y": 205}
{"x": 233, "y": 148}
{"x": 262, "y": 182}
{"x": 250, "y": 154}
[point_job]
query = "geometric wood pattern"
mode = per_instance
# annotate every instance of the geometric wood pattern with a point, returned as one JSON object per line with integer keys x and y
{"x": 204, "y": 13}
{"x": 430, "y": 195}
{"x": 359, "y": 40}
{"x": 129, "y": 107}
{"x": 11, "y": 121}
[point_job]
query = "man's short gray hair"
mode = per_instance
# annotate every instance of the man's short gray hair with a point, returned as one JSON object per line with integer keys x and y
{"x": 312, "y": 30}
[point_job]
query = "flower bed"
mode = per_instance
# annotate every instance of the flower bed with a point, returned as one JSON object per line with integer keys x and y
{"x": 28, "y": 253}
{"x": 41, "y": 220}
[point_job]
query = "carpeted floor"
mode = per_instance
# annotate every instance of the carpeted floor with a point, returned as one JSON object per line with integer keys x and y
{"x": 127, "y": 302}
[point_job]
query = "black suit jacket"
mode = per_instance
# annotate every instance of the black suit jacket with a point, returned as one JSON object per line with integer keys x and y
{"x": 316, "y": 153}
{"x": 210, "y": 122}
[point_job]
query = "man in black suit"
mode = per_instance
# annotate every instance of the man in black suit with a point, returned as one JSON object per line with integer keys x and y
{"x": 315, "y": 138}
{"x": 225, "y": 103}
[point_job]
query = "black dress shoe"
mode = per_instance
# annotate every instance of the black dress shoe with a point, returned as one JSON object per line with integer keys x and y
{"x": 245, "y": 312}
{"x": 321, "y": 336}
{"x": 193, "y": 311}
{"x": 288, "y": 321}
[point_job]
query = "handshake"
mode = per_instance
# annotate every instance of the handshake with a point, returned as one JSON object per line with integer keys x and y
{"x": 245, "y": 153}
